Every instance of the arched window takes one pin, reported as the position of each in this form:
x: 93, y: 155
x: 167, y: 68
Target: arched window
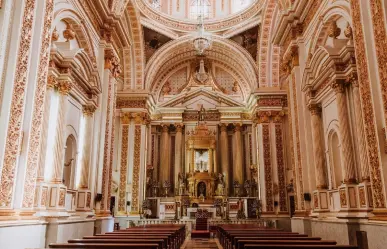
x: 200, y: 8
x: 238, y: 5
x: 336, y: 169
x: 69, y: 163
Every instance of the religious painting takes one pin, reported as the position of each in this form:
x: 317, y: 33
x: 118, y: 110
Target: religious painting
x: 153, y: 41
x: 249, y: 40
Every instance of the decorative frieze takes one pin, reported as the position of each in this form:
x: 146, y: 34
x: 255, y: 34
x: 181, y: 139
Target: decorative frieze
x: 14, y: 131
x: 127, y: 102
x: 367, y: 108
x: 123, y: 168
x: 267, y: 169
x: 38, y: 110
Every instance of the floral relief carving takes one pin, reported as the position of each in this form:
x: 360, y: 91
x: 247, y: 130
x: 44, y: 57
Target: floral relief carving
x: 123, y: 168
x: 343, y: 198
x: 112, y: 147
x: 280, y: 168
x: 136, y: 167
x: 367, y: 107
x: 267, y: 165
x: 14, y: 132
x: 38, y: 110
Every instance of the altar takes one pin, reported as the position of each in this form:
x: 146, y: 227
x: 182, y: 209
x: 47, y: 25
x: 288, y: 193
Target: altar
x: 191, y: 212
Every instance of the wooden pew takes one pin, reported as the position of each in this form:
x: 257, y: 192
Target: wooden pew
x: 264, y: 246
x: 160, y: 242
x: 241, y: 243
x: 104, y: 246
x: 235, y: 240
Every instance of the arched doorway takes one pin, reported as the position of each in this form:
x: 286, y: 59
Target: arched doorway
x: 336, y: 169
x: 69, y: 162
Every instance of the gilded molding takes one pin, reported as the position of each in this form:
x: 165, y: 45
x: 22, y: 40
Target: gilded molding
x: 367, y: 106
x: 38, y: 110
x: 281, y: 168
x: 14, y: 132
x: 136, y: 168
x: 268, y: 169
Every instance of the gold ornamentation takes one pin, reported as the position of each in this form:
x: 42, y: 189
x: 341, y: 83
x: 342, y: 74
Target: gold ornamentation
x: 64, y: 87
x: 348, y: 32
x: 280, y: 168
x: 38, y: 110
x: 123, y: 168
x: 69, y: 33
x: 126, y: 117
x: 55, y: 35
x: 343, y: 198
x: 14, y: 132
x: 105, y: 172
x: 112, y: 147
x: 123, y: 102
x: 333, y: 30
x: 62, y: 199
x: 267, y: 165
x: 299, y: 162
x: 367, y: 106
x: 88, y: 110
x: 136, y: 167
x: 362, y: 197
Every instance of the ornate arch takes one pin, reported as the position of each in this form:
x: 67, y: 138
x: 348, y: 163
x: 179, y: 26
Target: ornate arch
x: 336, y: 10
x: 82, y: 33
x: 138, y: 46
x: 223, y: 51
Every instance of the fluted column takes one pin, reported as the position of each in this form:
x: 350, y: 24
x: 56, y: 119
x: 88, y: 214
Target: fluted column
x: 224, y: 161
x: 365, y: 171
x: 165, y: 168
x: 84, y: 193
x: 344, y: 129
x: 238, y: 160
x: 64, y: 88
x: 318, y: 150
x: 88, y: 112
x: 178, y: 153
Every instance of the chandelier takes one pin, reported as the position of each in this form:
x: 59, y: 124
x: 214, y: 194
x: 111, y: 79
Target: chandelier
x: 202, y: 39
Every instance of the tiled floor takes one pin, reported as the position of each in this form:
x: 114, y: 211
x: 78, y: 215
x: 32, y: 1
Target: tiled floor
x: 200, y: 244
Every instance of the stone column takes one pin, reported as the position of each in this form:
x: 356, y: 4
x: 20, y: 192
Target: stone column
x: 178, y: 152
x: 318, y: 150
x: 224, y: 161
x: 344, y: 129
x: 84, y: 193
x: 57, y: 191
x: 165, y: 168
x: 122, y: 197
x: 365, y: 171
x: 238, y: 160
x: 41, y: 185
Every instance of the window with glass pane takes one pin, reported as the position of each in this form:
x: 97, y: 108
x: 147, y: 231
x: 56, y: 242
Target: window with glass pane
x: 200, y: 8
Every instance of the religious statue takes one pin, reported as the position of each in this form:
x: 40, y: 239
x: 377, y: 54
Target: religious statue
x: 220, y: 187
x: 241, y: 211
x: 182, y: 180
x: 202, y: 113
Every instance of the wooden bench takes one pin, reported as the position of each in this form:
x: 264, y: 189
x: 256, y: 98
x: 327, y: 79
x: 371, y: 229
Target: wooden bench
x: 240, y: 244
x: 264, y: 246
x: 104, y: 246
x: 160, y: 242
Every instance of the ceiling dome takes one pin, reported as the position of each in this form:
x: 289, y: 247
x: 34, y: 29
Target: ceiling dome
x: 190, y: 10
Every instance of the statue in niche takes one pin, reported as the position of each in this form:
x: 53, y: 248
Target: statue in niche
x: 201, y: 75
x: 202, y: 113
x: 182, y: 181
x: 220, y: 187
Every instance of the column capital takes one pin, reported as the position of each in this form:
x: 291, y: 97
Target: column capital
x: 112, y: 62
x: 238, y: 127
x: 140, y: 118
x: 352, y: 79
x: 315, y: 109
x: 52, y: 81
x: 88, y: 110
x: 126, y: 117
x: 179, y: 127
x: 64, y: 87
x: 223, y: 127
x: 165, y: 127
x: 338, y: 85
